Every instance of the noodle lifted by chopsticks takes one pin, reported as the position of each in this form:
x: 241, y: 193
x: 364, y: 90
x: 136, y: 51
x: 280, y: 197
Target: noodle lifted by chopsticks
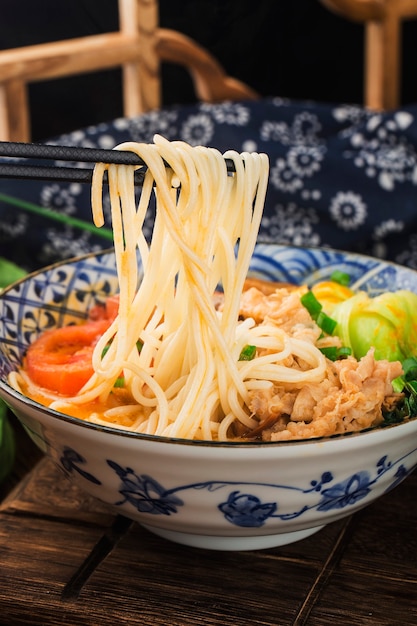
x: 186, y: 381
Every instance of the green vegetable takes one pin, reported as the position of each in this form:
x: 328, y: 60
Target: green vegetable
x: 120, y: 381
x: 334, y: 353
x: 387, y: 322
x: 326, y: 323
x: 406, y: 384
x: 410, y: 376
x: 9, y: 273
x: 340, y: 277
x: 313, y: 306
x: 329, y: 293
x: 56, y: 216
x: 248, y: 353
x: 310, y: 302
x: 410, y: 368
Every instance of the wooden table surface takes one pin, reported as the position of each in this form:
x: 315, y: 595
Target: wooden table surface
x: 66, y: 559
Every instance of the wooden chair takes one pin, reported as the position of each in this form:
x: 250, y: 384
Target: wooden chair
x: 383, y: 44
x: 138, y: 47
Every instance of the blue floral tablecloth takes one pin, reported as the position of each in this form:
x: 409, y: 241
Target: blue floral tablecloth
x: 340, y: 176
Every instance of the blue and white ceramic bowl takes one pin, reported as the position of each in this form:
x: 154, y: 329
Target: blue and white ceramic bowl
x: 226, y: 496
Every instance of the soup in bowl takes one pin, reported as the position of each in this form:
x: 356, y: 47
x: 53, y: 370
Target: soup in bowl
x: 240, y: 494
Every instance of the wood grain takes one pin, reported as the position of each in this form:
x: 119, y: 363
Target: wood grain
x: 138, y: 47
x: 383, y: 20
x: 67, y: 559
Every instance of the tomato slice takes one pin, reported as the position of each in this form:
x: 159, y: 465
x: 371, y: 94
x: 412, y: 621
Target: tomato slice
x: 61, y: 359
x: 107, y: 311
x: 112, y: 307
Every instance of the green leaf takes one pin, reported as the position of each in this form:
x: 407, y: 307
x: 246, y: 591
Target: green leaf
x: 106, y: 233
x: 9, y: 273
x: 410, y: 368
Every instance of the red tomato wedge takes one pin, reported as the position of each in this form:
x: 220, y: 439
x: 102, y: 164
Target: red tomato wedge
x: 107, y: 311
x: 60, y: 360
x: 112, y: 307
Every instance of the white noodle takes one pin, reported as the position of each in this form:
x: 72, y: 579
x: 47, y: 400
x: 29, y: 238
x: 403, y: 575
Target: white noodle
x: 187, y: 379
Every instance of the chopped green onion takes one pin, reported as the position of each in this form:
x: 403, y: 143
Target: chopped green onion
x: 310, y: 302
x: 313, y: 306
x: 326, y: 323
x: 139, y: 346
x: 330, y: 352
x: 119, y: 382
x: 333, y: 353
x: 248, y: 353
x: 340, y: 277
x: 344, y: 351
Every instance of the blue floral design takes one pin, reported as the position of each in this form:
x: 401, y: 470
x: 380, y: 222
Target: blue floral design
x: 346, y: 493
x: 70, y: 460
x: 246, y: 510
x: 316, y: 485
x: 401, y: 473
x: 145, y: 493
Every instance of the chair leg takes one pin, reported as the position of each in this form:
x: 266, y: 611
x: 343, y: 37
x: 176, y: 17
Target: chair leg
x: 383, y: 64
x: 140, y: 19
x: 14, y: 111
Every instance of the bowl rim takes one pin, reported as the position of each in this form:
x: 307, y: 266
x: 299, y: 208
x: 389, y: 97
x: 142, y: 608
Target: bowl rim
x: 120, y: 432
x: 259, y: 242
x: 51, y: 413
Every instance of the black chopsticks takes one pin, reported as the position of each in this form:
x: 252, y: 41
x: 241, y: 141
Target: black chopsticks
x: 56, y: 171
x: 67, y: 153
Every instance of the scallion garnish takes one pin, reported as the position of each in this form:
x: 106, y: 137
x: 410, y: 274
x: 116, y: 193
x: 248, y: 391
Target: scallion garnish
x: 344, y: 351
x: 313, y: 306
x: 248, y: 353
x: 326, y: 323
x: 340, y: 277
x: 333, y: 353
x: 310, y: 302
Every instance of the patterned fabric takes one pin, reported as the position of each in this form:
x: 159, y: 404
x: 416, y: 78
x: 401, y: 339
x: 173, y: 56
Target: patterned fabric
x: 340, y: 177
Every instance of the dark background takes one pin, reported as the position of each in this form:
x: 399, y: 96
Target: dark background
x: 296, y: 49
